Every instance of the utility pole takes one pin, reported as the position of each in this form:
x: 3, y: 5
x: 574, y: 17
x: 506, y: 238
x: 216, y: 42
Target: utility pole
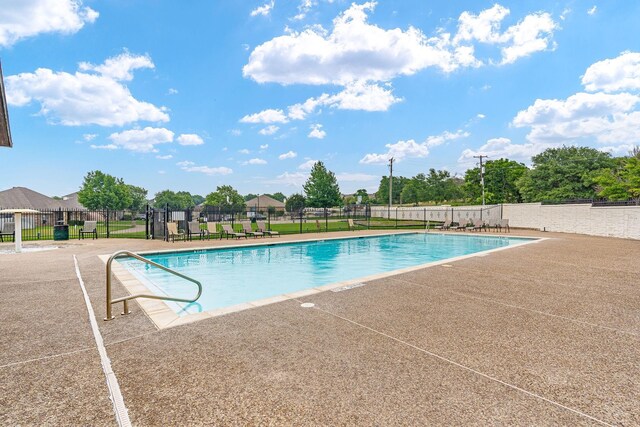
x: 390, y: 187
x: 481, y: 174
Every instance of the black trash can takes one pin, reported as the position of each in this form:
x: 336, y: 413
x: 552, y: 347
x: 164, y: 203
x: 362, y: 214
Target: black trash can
x: 60, y: 231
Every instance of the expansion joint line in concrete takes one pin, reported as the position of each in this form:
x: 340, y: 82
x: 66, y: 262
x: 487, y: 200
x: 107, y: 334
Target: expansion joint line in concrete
x: 467, y: 368
x: 51, y: 356
x: 517, y: 307
x: 120, y: 410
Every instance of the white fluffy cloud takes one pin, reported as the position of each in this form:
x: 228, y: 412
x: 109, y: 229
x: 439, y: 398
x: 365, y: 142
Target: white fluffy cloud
x: 592, y: 10
x: 612, y: 75
x: 288, y: 155
x: 532, y: 34
x: 165, y: 157
x: 608, y: 116
x: 255, y: 161
x: 20, y: 19
x: 398, y: 151
x: 141, y: 140
x: 362, y: 96
x: 264, y: 146
x: 119, y: 68
x: 483, y: 27
x: 356, y: 177
x: 359, y: 56
x: 412, y: 149
x: 307, y: 165
x: 263, y: 10
x: 304, y: 7
x: 189, y: 139
x: 295, y: 179
x: 104, y: 147
x: 266, y: 116
x: 269, y: 130
x: 317, y: 132
x: 188, y: 166
x: 95, y: 97
x: 357, y: 95
x: 497, y: 148
x: 355, y: 50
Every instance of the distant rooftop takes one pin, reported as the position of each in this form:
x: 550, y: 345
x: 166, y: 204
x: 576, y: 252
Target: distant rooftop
x: 25, y: 198
x: 265, y: 202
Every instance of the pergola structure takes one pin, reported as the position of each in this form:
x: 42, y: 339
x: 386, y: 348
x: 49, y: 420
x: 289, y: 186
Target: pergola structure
x: 5, y: 131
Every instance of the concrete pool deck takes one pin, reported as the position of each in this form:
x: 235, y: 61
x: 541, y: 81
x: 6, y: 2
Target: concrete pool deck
x: 544, y: 334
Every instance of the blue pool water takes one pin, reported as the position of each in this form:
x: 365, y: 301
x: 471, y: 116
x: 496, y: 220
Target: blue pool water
x: 236, y: 275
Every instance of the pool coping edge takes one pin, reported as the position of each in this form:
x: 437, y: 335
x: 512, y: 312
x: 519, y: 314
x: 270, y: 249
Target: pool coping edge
x: 163, y: 316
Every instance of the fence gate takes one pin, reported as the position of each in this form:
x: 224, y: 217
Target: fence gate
x: 157, y: 223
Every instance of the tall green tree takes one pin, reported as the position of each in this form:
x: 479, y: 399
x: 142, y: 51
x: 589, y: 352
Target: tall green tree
x: 413, y: 191
x: 249, y: 197
x: 563, y: 173
x: 382, y: 195
x: 500, y: 182
x: 225, y: 196
x: 441, y: 186
x: 178, y: 201
x: 138, y: 198
x: 621, y: 182
x: 197, y: 199
x: 295, y: 203
x: 278, y: 196
x: 321, y: 189
x: 103, y: 191
x: 186, y: 199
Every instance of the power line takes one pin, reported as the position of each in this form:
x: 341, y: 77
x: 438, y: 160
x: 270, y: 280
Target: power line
x: 390, y: 187
x: 481, y: 174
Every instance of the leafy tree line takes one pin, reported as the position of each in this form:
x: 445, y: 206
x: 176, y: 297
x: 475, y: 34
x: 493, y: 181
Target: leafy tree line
x: 556, y: 174
x: 103, y: 191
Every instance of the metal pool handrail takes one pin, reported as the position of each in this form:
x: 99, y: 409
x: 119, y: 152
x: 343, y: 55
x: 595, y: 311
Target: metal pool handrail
x: 126, y: 299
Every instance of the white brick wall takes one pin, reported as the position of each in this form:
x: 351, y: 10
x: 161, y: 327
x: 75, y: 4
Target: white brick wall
x: 612, y: 221
x: 439, y: 213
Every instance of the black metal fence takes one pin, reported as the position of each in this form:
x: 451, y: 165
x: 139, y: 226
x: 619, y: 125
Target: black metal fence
x: 423, y: 217
x: 109, y: 223
x: 152, y: 223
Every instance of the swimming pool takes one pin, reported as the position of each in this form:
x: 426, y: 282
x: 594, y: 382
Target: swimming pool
x: 231, y: 276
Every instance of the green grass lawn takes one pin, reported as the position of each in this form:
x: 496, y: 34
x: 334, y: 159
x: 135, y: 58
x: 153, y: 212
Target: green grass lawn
x: 118, y: 229
x: 45, y: 232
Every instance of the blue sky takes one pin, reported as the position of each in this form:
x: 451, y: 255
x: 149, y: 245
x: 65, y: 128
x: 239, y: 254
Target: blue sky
x: 192, y: 95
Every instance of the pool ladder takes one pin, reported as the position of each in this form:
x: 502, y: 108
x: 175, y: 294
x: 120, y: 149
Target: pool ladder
x: 125, y: 300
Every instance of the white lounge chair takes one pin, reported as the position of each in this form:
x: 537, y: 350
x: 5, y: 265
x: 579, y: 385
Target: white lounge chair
x: 212, y: 228
x: 228, y: 231
x: 262, y: 228
x: 194, y: 229
x: 173, y: 232
x: 246, y: 228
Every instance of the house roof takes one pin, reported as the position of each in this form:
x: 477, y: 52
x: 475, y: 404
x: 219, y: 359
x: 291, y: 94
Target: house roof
x: 71, y: 201
x: 25, y: 198
x: 265, y: 202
